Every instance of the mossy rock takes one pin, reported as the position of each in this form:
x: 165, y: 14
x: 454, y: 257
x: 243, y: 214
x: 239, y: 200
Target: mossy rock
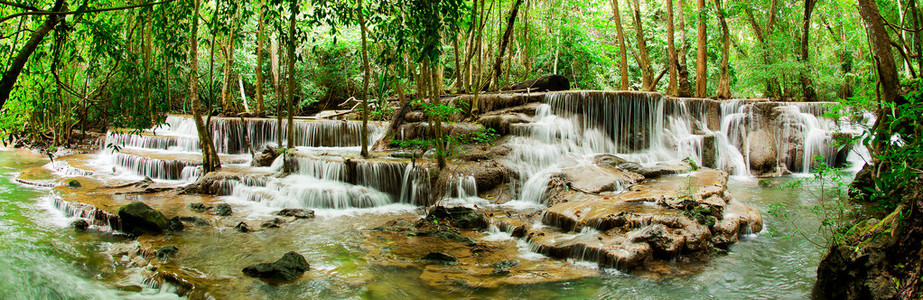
x: 139, y: 218
x: 73, y: 183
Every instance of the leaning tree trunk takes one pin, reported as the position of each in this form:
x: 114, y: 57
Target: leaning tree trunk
x: 644, y: 57
x: 504, y: 42
x: 365, y: 87
x: 18, y: 62
x: 701, y: 73
x: 210, y: 159
x: 623, y: 55
x: 724, y: 84
x: 807, y: 87
x: 291, y: 76
x: 881, y: 49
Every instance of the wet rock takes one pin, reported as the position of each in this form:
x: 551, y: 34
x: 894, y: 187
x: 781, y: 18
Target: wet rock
x: 609, y: 160
x: 440, y: 257
x: 139, y: 218
x: 447, y: 235
x: 175, y: 224
x: 242, y: 227
x: 762, y: 151
x: 166, y: 252
x: 297, y: 213
x: 223, y: 209
x: 662, y: 169
x: 503, y: 267
x: 194, y: 220
x: 709, y: 152
x: 274, y: 223
x: 199, y: 206
x: 287, y: 268
x: 74, y: 184
x: 266, y: 157
x: 765, y: 183
x: 460, y: 217
x: 502, y: 124
x: 80, y: 224
x: 488, y: 175
x: 551, y: 82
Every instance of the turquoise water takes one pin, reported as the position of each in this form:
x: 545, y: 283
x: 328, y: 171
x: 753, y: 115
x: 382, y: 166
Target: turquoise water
x: 40, y: 258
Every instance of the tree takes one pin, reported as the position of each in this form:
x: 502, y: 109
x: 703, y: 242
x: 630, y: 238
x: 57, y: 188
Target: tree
x: 672, y: 88
x: 210, y: 159
x: 504, y: 43
x: 623, y: 55
x: 807, y: 87
x: 644, y: 56
x: 365, y: 84
x: 724, y: 83
x: 701, y: 73
x: 260, y: 37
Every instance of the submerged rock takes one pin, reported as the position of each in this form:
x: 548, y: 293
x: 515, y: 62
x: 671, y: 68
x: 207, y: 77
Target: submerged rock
x: 194, y: 220
x: 460, y: 217
x: 80, y: 224
x: 199, y: 206
x: 166, y: 252
x: 289, y: 267
x: 73, y: 183
x: 242, y: 227
x: 440, y: 257
x: 274, y: 223
x: 223, y: 209
x: 139, y: 218
x: 297, y: 213
x: 175, y: 224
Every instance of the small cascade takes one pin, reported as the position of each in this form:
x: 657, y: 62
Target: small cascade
x: 91, y: 214
x: 384, y: 176
x: 462, y: 186
x: 157, y: 168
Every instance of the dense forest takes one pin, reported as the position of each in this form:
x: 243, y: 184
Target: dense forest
x: 699, y: 83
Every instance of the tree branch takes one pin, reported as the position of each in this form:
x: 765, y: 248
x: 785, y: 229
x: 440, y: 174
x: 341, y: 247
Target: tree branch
x: 63, y: 13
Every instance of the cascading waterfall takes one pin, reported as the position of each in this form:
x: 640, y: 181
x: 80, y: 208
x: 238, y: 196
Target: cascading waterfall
x: 157, y: 168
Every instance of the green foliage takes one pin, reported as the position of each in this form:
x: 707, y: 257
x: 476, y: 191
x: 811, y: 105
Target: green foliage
x: 829, y: 204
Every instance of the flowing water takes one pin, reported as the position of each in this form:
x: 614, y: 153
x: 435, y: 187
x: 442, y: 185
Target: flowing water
x: 40, y: 257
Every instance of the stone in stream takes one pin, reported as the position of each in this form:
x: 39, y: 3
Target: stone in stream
x: 709, y: 152
x: 503, y: 267
x: 194, y: 220
x: 297, y: 213
x: 166, y: 252
x: 460, y: 217
x: 176, y: 224
x: 139, y: 218
x: 274, y: 223
x: 287, y: 268
x: 73, y: 183
x: 440, y: 257
x: 762, y: 151
x: 80, y: 224
x: 199, y: 206
x: 242, y: 227
x: 266, y: 157
x: 223, y: 209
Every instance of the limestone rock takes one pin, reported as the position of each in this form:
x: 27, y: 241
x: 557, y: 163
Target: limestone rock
x: 460, y: 217
x: 594, y: 179
x: 223, y: 209
x: 440, y: 257
x: 166, y: 252
x: 80, y: 224
x: 762, y: 151
x: 297, y: 213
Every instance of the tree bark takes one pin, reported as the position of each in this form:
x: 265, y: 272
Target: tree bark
x: 19, y: 62
x: 623, y: 51
x: 672, y: 88
x: 504, y: 43
x: 644, y: 57
x: 881, y: 49
x: 701, y: 73
x: 210, y: 159
x: 291, y: 75
x: 807, y: 86
x: 724, y: 84
x: 260, y: 37
x: 365, y: 86
x: 683, y: 88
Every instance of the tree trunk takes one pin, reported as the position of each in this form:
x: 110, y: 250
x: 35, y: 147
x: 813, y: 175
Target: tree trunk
x: 210, y: 159
x: 683, y: 88
x: 644, y: 57
x: 260, y: 107
x: 396, y: 120
x: 623, y: 51
x: 917, y: 39
x: 18, y: 62
x: 807, y: 87
x: 226, y: 102
x: 701, y: 73
x: 434, y: 100
x: 291, y: 75
x: 504, y: 43
x: 881, y: 49
x: 672, y: 88
x: 724, y: 85
x: 365, y: 87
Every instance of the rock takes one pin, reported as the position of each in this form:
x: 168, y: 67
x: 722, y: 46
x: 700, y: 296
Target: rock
x: 709, y: 152
x: 166, y: 252
x: 274, y: 223
x: 73, y: 183
x: 297, y: 213
x: 765, y: 183
x: 223, y: 209
x: 80, y: 224
x: 440, y: 257
x: 266, y: 157
x: 594, y: 179
x: 549, y: 83
x: 460, y: 217
x: 864, y: 179
x: 287, y: 268
x: 447, y: 235
x: 194, y: 220
x: 138, y: 218
x: 609, y: 160
x: 488, y: 175
x: 502, y: 124
x: 662, y: 169
x: 199, y: 206
x: 175, y: 224
x: 503, y: 267
x: 762, y: 151
x: 242, y: 227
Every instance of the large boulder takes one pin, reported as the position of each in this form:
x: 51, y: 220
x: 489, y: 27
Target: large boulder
x: 551, y: 82
x: 762, y: 151
x: 289, y: 267
x: 460, y: 217
x: 595, y: 179
x: 139, y: 218
x: 266, y: 157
